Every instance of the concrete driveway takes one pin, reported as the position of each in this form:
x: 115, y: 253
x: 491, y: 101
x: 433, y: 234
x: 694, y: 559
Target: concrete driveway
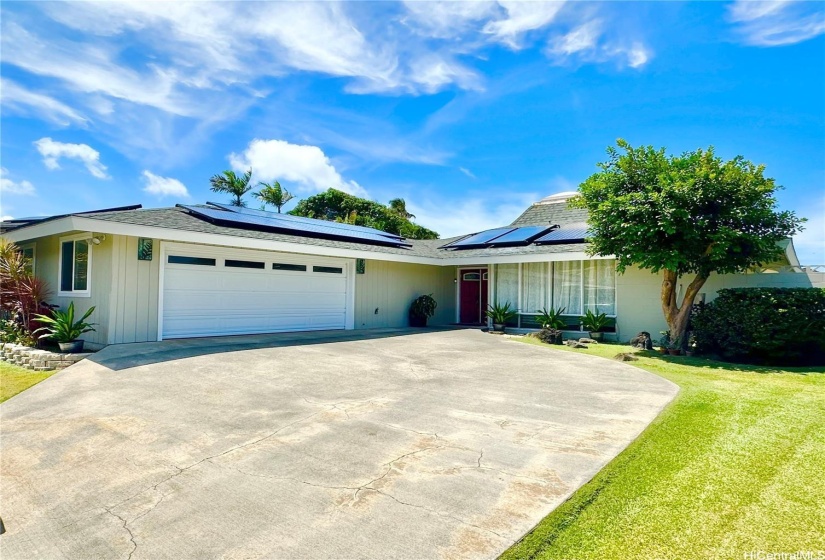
x: 393, y: 444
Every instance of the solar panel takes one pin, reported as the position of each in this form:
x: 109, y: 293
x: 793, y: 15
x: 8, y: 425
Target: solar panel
x: 480, y: 239
x: 318, y: 228
x: 302, y: 220
x: 564, y: 234
x: 523, y: 235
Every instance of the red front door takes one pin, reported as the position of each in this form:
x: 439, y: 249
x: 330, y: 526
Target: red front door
x: 473, y: 295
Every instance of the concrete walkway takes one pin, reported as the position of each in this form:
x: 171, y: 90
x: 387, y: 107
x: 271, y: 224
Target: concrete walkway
x: 389, y: 444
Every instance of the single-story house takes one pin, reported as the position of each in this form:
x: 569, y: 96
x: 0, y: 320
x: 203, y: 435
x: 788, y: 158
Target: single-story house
x: 206, y: 270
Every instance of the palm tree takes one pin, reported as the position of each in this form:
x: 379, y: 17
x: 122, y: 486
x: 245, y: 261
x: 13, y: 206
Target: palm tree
x: 231, y: 183
x: 273, y: 194
x: 399, y: 206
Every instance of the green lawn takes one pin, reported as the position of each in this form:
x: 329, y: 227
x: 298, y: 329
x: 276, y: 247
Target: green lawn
x: 736, y: 463
x: 15, y: 379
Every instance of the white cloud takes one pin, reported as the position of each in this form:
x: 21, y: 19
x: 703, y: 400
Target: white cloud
x: 585, y: 42
x: 305, y: 167
x: 777, y: 22
x: 14, y: 96
x: 8, y: 186
x: 521, y: 17
x: 445, y: 19
x: 163, y: 186
x: 467, y: 172
x: 53, y: 151
x: 471, y: 214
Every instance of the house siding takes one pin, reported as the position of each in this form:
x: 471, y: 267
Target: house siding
x: 637, y: 295
x: 390, y: 288
x: 134, y: 299
x: 47, y: 268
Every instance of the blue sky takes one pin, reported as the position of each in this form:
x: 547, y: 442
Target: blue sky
x: 470, y: 111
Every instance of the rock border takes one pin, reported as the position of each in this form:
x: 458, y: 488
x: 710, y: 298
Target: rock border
x: 36, y: 359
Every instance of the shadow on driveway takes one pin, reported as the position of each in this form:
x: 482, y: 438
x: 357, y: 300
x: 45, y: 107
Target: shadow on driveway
x: 124, y: 356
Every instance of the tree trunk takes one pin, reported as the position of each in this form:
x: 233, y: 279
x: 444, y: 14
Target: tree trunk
x: 677, y: 317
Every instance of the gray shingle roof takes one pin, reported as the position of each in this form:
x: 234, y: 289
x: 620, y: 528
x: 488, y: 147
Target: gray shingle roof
x: 179, y: 219
x: 556, y: 213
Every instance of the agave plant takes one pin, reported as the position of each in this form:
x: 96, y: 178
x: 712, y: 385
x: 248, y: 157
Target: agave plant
x: 61, y: 326
x: 551, y: 319
x: 500, y: 314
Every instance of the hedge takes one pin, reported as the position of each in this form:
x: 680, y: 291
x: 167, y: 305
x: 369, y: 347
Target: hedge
x: 771, y: 326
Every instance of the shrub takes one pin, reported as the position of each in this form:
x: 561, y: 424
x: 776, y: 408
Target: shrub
x: 773, y: 326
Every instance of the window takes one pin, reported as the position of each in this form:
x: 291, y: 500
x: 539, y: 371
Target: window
x: 600, y: 286
x: 74, y: 267
x: 28, y: 252
x: 567, y: 286
x: 506, y: 280
x: 328, y: 269
x: 533, y: 284
x: 244, y: 264
x: 287, y: 266
x: 201, y: 261
x: 472, y: 276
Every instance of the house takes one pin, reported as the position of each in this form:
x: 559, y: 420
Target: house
x: 204, y: 270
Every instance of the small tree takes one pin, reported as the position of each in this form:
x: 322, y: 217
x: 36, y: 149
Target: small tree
x: 231, y: 183
x: 692, y: 214
x: 273, y: 194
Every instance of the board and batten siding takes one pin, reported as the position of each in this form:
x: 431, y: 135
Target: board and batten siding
x: 124, y: 290
x: 134, y: 297
x: 390, y: 288
x: 47, y: 268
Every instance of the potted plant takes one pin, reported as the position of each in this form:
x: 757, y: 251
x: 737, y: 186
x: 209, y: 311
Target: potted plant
x: 500, y: 314
x: 674, y: 348
x: 552, y: 322
x: 664, y: 341
x: 63, y: 329
x: 691, y: 347
x: 594, y: 323
x: 422, y: 308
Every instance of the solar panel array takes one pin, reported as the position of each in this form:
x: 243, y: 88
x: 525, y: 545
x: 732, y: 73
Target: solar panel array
x: 501, y: 237
x: 522, y: 235
x: 564, y: 234
x: 245, y: 218
x: 301, y: 219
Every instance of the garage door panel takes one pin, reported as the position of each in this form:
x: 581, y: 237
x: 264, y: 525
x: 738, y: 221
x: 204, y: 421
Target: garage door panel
x: 215, y: 300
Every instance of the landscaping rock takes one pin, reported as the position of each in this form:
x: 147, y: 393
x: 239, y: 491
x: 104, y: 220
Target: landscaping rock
x: 642, y: 340
x: 626, y: 357
x: 575, y: 344
x: 588, y: 341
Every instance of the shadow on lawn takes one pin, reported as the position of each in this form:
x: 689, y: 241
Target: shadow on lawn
x: 711, y: 363
x: 123, y: 356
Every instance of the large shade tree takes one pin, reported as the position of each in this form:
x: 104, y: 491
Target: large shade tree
x: 233, y: 184
x: 335, y: 205
x: 683, y: 216
x: 273, y: 194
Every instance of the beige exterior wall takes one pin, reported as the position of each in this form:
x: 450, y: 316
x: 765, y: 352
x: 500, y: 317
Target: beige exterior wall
x: 134, y: 297
x: 390, y: 288
x: 637, y: 295
x: 124, y: 291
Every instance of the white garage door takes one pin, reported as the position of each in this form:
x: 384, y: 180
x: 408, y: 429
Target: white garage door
x: 215, y: 291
